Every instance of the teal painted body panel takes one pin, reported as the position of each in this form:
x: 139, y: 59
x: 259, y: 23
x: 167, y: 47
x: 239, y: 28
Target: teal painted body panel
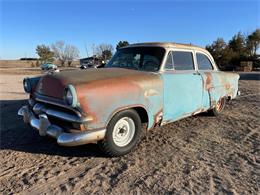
x: 183, y: 94
x: 188, y: 93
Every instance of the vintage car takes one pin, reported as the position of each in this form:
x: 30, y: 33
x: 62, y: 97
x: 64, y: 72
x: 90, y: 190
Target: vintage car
x: 145, y: 83
x: 49, y: 66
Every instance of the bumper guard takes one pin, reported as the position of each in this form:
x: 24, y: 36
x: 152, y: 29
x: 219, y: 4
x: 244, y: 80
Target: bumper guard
x: 44, y: 128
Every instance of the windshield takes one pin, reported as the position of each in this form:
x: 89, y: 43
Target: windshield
x: 138, y: 58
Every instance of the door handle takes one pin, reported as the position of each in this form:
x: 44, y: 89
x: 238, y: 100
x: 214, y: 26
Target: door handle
x: 196, y: 73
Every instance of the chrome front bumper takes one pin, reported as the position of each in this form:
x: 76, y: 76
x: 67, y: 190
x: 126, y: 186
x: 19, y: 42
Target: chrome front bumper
x: 44, y: 128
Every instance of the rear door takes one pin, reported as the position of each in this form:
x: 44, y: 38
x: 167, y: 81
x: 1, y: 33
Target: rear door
x: 183, y: 86
x: 212, y: 85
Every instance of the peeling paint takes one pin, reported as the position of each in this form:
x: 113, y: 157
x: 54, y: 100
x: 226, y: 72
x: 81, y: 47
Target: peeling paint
x: 166, y: 96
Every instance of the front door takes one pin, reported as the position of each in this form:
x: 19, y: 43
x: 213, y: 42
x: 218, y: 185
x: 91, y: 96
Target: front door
x: 183, y: 86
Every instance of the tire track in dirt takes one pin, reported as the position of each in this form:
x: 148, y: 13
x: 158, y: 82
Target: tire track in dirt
x: 52, y: 183
x: 197, y: 155
x: 154, y: 175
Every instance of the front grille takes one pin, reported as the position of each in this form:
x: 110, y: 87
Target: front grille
x: 66, y: 118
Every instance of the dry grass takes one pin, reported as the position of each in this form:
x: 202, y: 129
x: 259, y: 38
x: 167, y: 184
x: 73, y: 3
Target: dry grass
x: 15, y: 63
x: 26, y: 63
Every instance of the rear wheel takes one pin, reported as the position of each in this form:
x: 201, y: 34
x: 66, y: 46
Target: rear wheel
x: 123, y: 133
x: 219, y: 107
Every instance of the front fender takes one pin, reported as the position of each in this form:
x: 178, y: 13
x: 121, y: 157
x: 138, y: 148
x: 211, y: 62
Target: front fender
x: 101, y: 99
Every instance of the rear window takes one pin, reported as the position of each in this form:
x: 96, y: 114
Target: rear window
x: 169, y: 62
x: 182, y: 60
x: 203, y: 62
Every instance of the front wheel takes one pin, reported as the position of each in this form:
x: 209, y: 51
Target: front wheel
x: 123, y: 133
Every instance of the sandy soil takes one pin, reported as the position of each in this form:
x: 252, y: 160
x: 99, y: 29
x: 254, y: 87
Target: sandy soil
x: 199, y: 154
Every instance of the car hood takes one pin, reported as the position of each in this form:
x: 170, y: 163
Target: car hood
x: 53, y: 85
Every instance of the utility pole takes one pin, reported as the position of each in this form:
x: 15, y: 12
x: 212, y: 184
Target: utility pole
x: 93, y: 49
x: 86, y: 48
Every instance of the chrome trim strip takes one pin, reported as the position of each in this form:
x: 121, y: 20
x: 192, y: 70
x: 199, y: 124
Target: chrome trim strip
x: 63, y: 116
x: 40, y: 108
x: 37, y: 98
x: 70, y: 139
x: 44, y: 127
x: 35, y: 123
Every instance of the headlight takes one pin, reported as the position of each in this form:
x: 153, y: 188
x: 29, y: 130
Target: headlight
x: 71, y: 96
x: 30, y: 83
x: 27, y: 85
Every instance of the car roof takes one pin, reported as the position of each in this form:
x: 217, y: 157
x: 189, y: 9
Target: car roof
x: 166, y: 45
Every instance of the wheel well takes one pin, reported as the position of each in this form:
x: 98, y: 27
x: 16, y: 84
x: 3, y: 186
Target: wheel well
x: 142, y: 114
x: 229, y: 97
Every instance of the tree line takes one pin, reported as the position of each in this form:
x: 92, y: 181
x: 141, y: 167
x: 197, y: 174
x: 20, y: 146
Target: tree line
x: 229, y: 55
x: 65, y: 54
x: 59, y: 51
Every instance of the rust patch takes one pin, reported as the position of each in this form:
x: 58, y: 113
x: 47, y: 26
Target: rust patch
x: 50, y: 86
x: 113, y: 90
x: 96, y: 97
x: 208, y: 83
x: 157, y: 117
x: 86, y: 110
x: 227, y: 86
x: 213, y: 103
x: 197, y: 111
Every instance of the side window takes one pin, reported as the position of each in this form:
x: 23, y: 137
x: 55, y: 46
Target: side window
x: 182, y: 60
x: 203, y: 62
x: 169, y: 62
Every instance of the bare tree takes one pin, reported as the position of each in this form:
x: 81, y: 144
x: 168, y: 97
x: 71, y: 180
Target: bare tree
x: 64, y: 52
x: 104, y: 51
x: 71, y: 52
x: 58, y: 49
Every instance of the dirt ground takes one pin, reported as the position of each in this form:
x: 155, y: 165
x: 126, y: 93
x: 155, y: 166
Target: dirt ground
x: 200, y: 154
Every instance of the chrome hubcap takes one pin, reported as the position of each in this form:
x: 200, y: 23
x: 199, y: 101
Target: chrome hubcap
x: 123, y: 131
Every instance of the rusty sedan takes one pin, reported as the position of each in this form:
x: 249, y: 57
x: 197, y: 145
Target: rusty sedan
x: 144, y: 83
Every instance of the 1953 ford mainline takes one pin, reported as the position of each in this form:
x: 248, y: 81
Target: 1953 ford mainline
x: 151, y: 83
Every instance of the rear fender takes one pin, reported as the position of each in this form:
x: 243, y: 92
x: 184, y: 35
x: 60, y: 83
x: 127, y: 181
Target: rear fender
x: 220, y: 84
